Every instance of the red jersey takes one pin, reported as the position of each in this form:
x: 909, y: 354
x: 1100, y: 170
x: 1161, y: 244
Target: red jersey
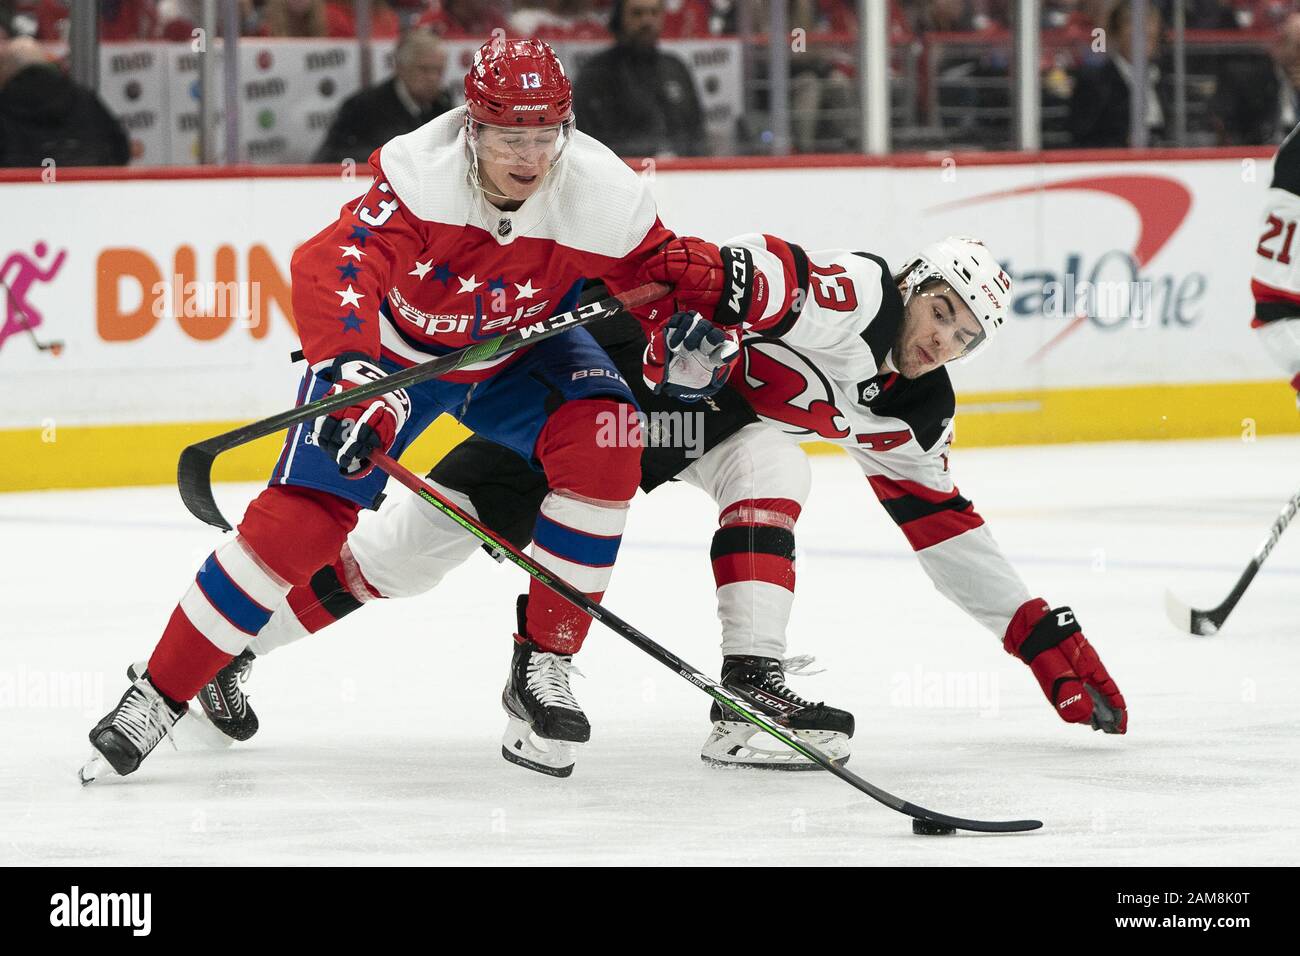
x: 422, y: 264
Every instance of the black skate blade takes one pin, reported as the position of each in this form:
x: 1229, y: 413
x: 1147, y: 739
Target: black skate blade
x: 533, y: 765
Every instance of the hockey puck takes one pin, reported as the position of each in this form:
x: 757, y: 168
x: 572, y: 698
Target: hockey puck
x: 927, y: 828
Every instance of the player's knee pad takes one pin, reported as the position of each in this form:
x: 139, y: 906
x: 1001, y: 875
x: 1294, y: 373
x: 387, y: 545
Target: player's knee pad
x: 756, y: 463
x: 294, y: 530
x: 407, y: 547
x: 592, y: 448
x: 1281, y: 339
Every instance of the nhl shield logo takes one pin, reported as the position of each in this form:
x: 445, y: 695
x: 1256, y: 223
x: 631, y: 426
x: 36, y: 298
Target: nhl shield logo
x: 504, y: 226
x: 869, y: 392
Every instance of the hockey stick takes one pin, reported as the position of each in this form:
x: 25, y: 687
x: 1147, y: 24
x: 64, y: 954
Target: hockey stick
x: 194, y: 471
x: 670, y: 660
x: 1207, y: 623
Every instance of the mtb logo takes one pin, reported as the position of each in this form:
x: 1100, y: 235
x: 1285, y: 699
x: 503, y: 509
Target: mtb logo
x: 19, y: 273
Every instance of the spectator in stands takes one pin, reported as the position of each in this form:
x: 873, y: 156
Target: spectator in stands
x: 410, y: 98
x: 295, y: 18
x: 634, y: 97
x: 460, y: 19
x: 1208, y: 14
x: 952, y: 16
x: 698, y: 18
x: 1100, y: 101
x: 556, y: 20
x: 47, y: 20
x: 1257, y: 97
x: 341, y: 20
x: 44, y: 115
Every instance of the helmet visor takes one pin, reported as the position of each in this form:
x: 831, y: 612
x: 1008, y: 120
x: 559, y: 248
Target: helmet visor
x: 538, y: 147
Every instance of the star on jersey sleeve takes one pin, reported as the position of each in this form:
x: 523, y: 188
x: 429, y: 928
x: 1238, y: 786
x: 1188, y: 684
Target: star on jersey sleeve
x: 343, y: 273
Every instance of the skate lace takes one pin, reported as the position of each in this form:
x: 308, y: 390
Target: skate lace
x: 774, y: 681
x: 548, y: 680
x: 145, y: 719
x: 799, y: 664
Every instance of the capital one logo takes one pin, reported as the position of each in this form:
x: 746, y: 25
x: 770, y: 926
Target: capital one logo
x: 1114, y: 289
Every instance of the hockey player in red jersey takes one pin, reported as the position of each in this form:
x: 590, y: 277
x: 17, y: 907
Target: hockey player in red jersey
x: 839, y: 348
x: 487, y: 217
x: 1275, y: 280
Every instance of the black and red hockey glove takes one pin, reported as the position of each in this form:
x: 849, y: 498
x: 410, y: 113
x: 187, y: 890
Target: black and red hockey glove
x: 689, y: 358
x: 350, y: 434
x: 1072, y: 676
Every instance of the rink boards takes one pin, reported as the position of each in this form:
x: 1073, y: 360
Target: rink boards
x: 171, y: 295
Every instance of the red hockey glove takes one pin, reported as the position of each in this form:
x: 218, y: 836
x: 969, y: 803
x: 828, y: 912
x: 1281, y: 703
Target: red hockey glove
x: 689, y: 358
x: 1069, y: 671
x: 692, y: 267
x: 349, y: 434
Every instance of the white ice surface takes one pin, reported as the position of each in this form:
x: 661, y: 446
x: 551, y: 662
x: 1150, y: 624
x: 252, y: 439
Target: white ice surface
x: 380, y: 738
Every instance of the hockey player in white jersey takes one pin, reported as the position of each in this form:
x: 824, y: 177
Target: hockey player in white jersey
x: 836, y: 347
x: 842, y: 349
x: 1275, y: 279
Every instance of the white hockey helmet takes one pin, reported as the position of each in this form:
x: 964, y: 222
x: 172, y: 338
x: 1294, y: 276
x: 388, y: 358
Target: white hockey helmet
x: 972, y: 272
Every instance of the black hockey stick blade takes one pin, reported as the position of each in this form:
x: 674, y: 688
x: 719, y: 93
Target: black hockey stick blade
x: 194, y: 470
x: 1208, y: 622
x: 721, y: 694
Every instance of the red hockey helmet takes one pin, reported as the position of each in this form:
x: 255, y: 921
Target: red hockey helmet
x: 518, y: 83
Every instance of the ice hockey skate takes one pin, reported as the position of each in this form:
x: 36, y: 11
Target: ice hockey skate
x: 761, y: 682
x: 196, y: 731
x: 546, y: 724
x: 130, y: 731
x: 224, y: 702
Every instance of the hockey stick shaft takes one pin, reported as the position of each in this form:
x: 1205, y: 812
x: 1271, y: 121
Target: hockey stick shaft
x: 719, y: 693
x: 194, y: 470
x: 1217, y: 616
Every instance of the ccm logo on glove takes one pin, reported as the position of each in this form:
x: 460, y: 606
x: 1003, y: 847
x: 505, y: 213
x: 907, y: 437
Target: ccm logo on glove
x: 1071, y: 675
x: 350, y: 434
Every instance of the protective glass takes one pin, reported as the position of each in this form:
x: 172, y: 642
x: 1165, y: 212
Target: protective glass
x: 532, y: 146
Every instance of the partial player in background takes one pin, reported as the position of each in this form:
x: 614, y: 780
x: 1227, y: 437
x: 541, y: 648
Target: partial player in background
x: 1275, y: 281
x: 837, y: 348
x: 486, y: 218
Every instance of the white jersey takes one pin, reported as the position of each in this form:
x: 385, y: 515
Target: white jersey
x: 1275, y: 278
x: 816, y: 366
